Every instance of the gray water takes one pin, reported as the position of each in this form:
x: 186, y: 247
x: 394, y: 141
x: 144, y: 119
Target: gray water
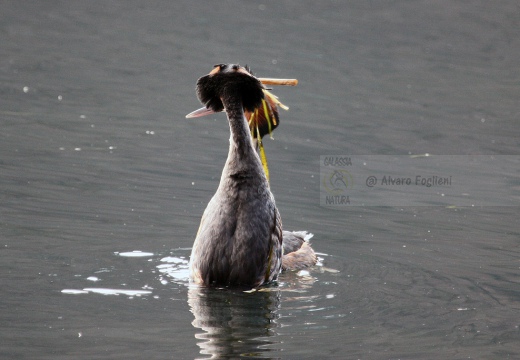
x: 98, y: 161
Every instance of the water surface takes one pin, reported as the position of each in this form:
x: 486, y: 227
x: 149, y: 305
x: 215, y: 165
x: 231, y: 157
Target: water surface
x: 97, y: 161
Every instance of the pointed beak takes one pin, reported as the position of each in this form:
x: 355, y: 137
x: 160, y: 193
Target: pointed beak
x: 199, y: 113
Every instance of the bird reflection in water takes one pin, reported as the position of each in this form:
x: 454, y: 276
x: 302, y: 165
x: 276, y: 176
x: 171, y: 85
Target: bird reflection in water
x: 235, y: 323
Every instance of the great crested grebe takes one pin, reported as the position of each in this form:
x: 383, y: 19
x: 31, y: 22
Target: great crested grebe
x: 240, y: 240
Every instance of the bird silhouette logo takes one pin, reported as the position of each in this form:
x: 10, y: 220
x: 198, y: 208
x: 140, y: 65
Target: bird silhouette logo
x: 338, y: 181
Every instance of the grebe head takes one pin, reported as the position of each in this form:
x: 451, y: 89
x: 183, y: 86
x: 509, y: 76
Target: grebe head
x: 228, y: 83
